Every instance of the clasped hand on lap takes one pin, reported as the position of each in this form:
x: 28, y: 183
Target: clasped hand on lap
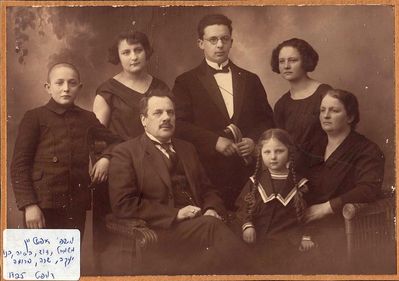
x: 189, y: 212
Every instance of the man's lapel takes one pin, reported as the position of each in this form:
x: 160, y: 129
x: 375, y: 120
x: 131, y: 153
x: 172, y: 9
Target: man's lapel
x: 209, y: 82
x: 154, y: 157
x: 238, y: 90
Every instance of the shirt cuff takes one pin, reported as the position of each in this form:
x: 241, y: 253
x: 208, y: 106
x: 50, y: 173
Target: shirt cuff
x: 336, y: 205
x: 247, y: 225
x: 108, y: 156
x: 209, y: 208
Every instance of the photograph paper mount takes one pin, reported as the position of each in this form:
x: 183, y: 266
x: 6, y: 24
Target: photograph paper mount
x: 355, y: 42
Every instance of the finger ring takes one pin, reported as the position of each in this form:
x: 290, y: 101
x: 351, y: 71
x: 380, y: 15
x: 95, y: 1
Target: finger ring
x: 193, y: 211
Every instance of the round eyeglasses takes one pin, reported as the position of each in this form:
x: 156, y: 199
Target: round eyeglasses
x: 214, y: 40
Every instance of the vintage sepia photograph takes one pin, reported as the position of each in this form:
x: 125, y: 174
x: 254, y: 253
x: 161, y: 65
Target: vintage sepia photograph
x: 198, y: 139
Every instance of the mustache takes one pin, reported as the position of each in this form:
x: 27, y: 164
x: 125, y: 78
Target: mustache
x: 167, y: 125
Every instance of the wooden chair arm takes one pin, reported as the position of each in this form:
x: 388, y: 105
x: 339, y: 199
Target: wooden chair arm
x: 135, y: 229
x: 356, y: 210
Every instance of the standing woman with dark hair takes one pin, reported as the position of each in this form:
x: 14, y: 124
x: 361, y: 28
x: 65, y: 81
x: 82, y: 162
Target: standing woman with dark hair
x: 297, y: 111
x: 116, y: 104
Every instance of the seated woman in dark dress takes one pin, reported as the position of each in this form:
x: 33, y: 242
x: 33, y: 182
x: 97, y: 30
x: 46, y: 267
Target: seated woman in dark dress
x: 345, y: 167
x: 297, y: 111
x: 116, y: 104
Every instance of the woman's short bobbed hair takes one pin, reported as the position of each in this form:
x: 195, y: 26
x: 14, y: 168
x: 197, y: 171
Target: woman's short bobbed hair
x: 350, y: 103
x: 132, y: 37
x: 309, y: 56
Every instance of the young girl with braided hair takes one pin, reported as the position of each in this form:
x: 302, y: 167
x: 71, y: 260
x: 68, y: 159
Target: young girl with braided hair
x: 272, y: 203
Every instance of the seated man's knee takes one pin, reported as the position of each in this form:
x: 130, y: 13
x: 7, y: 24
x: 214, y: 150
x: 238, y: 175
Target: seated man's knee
x: 211, y: 222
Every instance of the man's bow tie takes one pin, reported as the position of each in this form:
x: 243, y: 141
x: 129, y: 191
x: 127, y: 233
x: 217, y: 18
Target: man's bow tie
x: 225, y: 69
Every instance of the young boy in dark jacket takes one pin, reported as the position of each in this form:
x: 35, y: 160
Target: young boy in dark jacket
x: 50, y: 166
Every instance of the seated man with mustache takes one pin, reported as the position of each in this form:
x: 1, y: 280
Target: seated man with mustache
x: 159, y: 179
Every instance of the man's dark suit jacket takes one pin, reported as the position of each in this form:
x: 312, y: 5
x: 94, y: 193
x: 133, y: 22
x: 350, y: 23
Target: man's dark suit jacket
x: 202, y: 117
x: 140, y: 184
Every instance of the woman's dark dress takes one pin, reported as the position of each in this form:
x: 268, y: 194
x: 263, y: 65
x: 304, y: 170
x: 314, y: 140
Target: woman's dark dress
x: 300, y: 118
x: 352, y: 174
x: 124, y: 103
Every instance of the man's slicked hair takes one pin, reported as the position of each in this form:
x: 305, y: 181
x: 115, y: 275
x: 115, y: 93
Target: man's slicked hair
x: 212, y: 20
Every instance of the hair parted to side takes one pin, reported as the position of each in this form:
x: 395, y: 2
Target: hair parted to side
x: 350, y: 103
x: 309, y: 56
x: 132, y: 37
x: 212, y: 20
x: 143, y: 104
x: 285, y: 139
x: 62, y: 64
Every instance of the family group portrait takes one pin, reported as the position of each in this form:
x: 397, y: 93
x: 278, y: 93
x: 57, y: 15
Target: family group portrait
x: 205, y: 140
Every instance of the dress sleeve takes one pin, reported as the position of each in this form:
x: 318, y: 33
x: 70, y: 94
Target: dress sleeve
x: 22, y: 161
x: 101, y: 91
x: 368, y: 174
x: 241, y: 213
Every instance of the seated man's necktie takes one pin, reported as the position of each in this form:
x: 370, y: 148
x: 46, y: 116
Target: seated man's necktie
x: 172, y: 155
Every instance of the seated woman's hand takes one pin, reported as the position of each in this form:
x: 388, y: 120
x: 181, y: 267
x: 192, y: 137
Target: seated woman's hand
x: 249, y: 235
x: 318, y: 211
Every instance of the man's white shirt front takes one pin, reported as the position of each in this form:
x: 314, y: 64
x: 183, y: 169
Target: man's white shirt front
x: 225, y: 84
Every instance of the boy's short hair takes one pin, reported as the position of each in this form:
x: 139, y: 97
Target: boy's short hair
x: 212, y: 20
x: 62, y: 64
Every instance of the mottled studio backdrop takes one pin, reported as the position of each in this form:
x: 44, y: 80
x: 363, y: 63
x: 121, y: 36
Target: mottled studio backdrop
x: 355, y: 44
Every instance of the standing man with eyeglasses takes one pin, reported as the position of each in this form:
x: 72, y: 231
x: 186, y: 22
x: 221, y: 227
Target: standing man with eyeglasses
x: 222, y: 109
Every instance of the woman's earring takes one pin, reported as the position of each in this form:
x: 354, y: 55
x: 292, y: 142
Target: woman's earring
x: 287, y: 165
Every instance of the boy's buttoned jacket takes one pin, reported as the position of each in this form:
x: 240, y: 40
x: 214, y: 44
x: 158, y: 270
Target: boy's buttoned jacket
x: 51, y: 156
